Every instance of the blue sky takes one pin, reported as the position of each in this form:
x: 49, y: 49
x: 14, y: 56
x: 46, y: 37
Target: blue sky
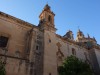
x: 69, y: 14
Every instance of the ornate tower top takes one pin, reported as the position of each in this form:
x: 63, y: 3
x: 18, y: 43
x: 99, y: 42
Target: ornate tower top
x: 80, y: 34
x: 81, y: 38
x: 47, y: 7
x: 69, y: 35
x: 47, y: 17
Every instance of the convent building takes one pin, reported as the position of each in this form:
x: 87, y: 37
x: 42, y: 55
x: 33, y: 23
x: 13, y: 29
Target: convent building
x: 27, y: 49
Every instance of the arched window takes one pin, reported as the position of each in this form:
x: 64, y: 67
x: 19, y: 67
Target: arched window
x: 49, y: 18
x: 73, y: 51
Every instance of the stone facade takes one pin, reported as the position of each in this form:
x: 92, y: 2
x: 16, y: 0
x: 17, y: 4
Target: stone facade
x: 26, y: 49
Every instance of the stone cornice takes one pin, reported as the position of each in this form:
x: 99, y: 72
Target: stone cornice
x: 8, y: 56
x: 46, y: 26
x: 16, y: 19
x: 75, y: 43
x: 47, y: 11
x: 87, y: 39
x: 97, y: 47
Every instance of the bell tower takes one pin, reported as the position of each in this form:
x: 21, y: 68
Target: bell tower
x: 47, y: 17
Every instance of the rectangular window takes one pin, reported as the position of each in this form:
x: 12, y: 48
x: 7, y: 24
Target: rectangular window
x: 37, y: 47
x: 3, y: 41
x: 49, y: 40
x: 49, y: 73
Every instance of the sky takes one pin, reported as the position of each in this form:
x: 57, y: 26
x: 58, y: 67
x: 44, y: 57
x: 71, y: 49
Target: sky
x: 69, y: 14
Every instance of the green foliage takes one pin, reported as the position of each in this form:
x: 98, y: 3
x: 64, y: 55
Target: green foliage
x: 2, y: 69
x: 74, y: 66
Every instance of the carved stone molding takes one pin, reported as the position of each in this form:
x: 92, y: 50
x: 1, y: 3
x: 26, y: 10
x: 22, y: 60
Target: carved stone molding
x: 16, y: 19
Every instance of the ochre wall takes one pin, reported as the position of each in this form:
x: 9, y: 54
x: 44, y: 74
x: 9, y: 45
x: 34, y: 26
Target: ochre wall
x: 17, y: 33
